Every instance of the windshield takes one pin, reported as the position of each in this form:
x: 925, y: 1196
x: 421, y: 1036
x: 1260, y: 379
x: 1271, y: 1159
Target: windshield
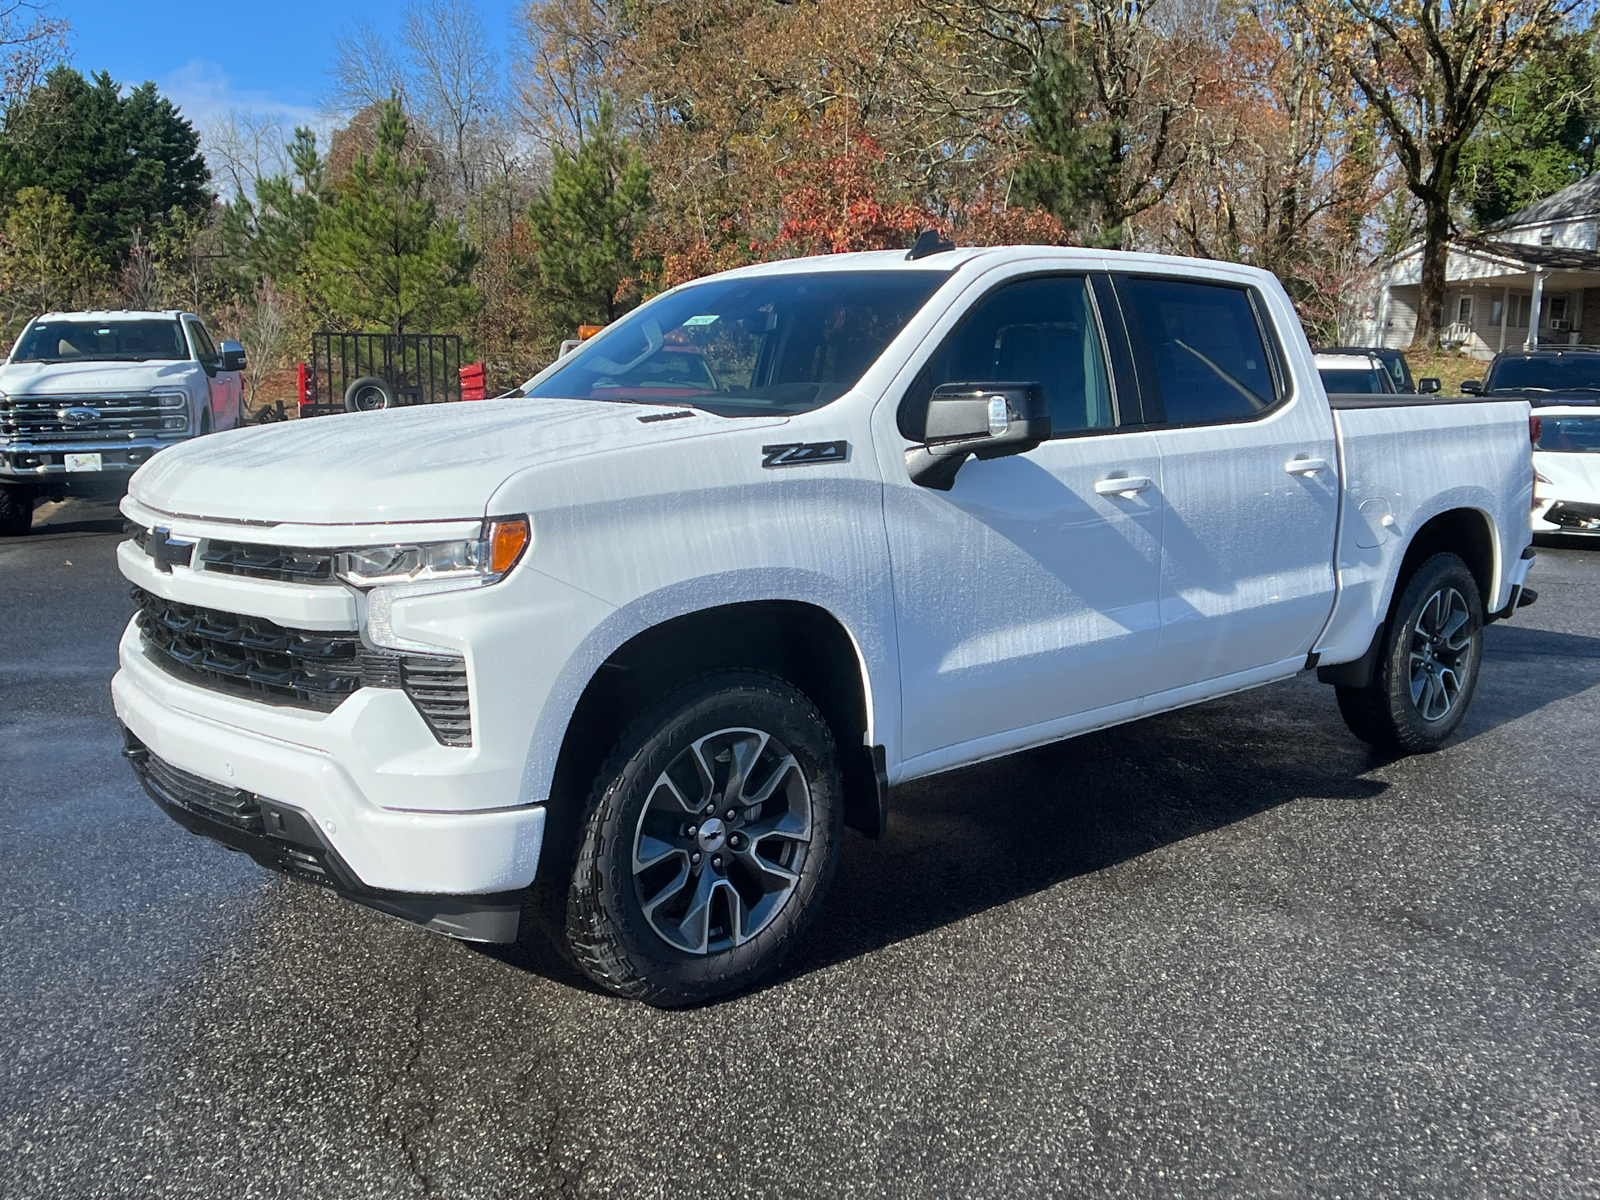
x: 1351, y: 381
x: 101, y: 341
x: 1569, y: 435
x: 1556, y: 373
x: 775, y: 344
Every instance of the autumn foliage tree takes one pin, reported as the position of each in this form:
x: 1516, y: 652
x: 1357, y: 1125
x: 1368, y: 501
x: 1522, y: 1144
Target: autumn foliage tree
x: 1428, y: 69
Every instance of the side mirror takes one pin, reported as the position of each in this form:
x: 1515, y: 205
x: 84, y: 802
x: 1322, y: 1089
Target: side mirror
x: 1428, y: 386
x: 233, y: 357
x: 1472, y: 387
x: 989, y: 420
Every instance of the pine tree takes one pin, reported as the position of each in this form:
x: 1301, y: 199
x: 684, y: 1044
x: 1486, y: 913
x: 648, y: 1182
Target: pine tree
x: 586, y: 225
x: 122, y: 163
x: 380, y: 257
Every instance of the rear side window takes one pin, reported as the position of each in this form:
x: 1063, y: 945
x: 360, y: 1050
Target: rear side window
x: 1202, y: 344
x: 1033, y: 331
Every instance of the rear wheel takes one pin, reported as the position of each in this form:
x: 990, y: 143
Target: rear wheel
x: 16, y: 511
x: 1424, y: 682
x: 708, y: 842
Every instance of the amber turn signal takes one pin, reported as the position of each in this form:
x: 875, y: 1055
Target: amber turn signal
x: 508, y: 538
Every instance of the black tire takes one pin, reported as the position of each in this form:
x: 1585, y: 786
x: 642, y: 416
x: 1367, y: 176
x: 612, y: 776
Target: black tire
x: 205, y: 422
x: 16, y: 511
x: 368, y: 394
x: 1425, y: 678
x: 635, y: 932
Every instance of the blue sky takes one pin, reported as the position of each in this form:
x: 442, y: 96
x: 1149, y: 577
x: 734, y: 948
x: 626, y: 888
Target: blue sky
x: 269, y: 57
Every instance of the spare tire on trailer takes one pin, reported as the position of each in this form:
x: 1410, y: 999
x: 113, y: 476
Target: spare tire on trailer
x: 368, y: 394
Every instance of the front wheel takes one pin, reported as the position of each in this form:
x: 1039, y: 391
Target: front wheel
x: 16, y: 511
x: 1422, y: 686
x: 707, y: 845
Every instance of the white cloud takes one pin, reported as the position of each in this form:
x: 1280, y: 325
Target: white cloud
x: 204, y: 91
x: 241, y: 130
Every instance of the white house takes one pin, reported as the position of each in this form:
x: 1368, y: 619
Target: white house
x: 1530, y: 279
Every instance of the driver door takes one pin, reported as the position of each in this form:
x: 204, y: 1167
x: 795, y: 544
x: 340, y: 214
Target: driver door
x: 1027, y: 594
x: 223, y: 385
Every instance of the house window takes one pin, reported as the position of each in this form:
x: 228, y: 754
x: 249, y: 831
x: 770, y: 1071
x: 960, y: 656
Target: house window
x: 1557, y: 308
x: 1521, y: 305
x: 1497, y: 311
x: 1464, y: 311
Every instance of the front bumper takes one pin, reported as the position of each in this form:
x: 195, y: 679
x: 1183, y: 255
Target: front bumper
x: 45, y: 465
x: 287, y: 839
x: 1566, y: 516
x: 390, y: 849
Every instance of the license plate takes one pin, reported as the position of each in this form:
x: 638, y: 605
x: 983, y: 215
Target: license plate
x: 83, y: 462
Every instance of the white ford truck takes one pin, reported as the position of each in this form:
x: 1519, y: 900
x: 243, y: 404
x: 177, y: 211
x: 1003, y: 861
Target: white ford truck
x: 87, y: 397
x: 621, y: 656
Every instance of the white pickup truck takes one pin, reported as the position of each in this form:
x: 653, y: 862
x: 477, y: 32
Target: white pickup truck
x: 623, y: 655
x: 87, y: 397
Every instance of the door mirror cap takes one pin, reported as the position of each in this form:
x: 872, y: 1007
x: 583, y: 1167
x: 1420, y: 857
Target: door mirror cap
x: 233, y: 358
x: 1428, y: 385
x: 1472, y: 387
x: 989, y: 420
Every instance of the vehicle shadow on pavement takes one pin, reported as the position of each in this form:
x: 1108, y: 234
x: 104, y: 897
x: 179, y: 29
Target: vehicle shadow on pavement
x: 971, y: 840
x: 966, y: 841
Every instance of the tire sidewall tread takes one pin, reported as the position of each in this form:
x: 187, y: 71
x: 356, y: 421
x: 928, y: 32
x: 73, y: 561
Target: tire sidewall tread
x: 601, y: 930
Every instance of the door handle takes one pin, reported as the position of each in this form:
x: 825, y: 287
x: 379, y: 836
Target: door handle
x: 1125, y: 485
x: 1305, y: 466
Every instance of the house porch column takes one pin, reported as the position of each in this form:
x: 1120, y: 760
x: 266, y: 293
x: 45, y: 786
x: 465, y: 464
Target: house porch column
x: 1533, y: 312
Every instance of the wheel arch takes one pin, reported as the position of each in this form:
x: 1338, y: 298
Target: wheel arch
x: 1465, y: 531
x: 797, y: 640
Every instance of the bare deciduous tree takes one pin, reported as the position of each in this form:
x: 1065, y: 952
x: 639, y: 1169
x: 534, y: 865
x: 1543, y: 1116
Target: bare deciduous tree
x: 32, y: 39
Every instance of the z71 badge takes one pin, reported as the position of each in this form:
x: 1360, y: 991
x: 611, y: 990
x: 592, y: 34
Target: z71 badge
x: 805, y: 454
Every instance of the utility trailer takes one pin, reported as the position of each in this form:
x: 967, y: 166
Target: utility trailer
x: 365, y: 372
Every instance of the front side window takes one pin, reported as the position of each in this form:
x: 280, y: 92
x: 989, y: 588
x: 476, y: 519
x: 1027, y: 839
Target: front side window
x: 204, y: 349
x: 1033, y: 331
x: 1203, y: 344
x: 767, y: 345
x: 101, y: 341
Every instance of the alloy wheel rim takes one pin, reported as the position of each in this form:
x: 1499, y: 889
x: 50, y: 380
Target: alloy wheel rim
x: 1441, y: 653
x: 370, y: 399
x: 721, y: 841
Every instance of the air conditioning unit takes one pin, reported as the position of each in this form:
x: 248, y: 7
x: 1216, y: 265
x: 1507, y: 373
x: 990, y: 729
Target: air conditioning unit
x: 1558, y: 324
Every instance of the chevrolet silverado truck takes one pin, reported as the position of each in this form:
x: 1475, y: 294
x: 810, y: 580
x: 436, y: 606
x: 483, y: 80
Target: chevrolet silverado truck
x: 621, y: 658
x: 86, y: 398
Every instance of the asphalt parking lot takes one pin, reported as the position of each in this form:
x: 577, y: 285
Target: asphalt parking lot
x: 1222, y: 952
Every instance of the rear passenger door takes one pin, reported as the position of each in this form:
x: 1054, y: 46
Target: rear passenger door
x: 1249, y: 475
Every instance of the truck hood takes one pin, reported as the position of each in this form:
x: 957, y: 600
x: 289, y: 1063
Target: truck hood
x: 436, y: 462
x: 76, y: 379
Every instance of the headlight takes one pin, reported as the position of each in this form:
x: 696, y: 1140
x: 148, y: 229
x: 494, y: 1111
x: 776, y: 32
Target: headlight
x: 484, y: 559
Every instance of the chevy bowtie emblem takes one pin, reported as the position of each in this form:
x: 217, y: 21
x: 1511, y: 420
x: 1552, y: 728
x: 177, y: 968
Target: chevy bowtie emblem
x: 168, y: 551
x: 77, y: 416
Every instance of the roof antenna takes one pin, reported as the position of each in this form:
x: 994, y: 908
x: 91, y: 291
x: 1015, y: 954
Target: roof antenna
x: 928, y: 242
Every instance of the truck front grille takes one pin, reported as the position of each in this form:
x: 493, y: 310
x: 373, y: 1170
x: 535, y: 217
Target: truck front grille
x: 64, y: 420
x: 259, y: 660
x: 287, y: 564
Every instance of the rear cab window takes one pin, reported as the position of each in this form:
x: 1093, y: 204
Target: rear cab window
x: 1204, y: 354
